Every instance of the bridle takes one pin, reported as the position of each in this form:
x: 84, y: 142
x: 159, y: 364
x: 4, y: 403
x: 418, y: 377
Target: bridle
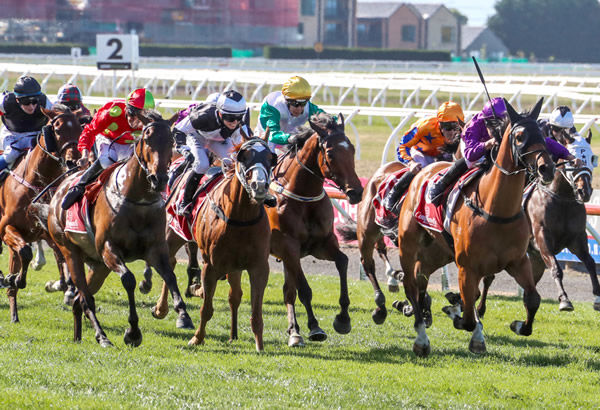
x: 59, y: 153
x: 141, y: 141
x: 241, y: 171
x: 570, y: 175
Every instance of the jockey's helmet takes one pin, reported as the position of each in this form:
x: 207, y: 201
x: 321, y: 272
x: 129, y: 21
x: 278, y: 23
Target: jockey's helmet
x: 69, y: 95
x: 450, y: 112
x: 561, y: 117
x: 499, y: 108
x: 231, y: 102
x: 141, y: 99
x: 296, y: 88
x: 27, y: 86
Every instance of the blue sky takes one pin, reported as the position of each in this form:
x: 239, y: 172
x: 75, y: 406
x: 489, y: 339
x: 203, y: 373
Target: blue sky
x: 476, y: 10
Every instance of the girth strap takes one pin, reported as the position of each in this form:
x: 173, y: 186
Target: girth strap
x: 221, y: 215
x: 488, y: 217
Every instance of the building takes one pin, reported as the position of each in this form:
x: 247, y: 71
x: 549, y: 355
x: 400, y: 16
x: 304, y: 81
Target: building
x: 388, y: 25
x: 331, y: 23
x: 481, y: 42
x: 441, y: 28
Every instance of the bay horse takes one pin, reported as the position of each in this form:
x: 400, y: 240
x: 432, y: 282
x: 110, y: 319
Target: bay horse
x: 302, y: 221
x: 19, y: 225
x: 127, y: 222
x: 558, y: 221
x: 488, y: 231
x: 233, y: 234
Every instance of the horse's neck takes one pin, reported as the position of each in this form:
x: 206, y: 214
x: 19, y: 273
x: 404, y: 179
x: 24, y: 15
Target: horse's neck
x: 134, y: 185
x: 236, y: 201
x: 38, y: 168
x: 561, y: 186
x: 501, y: 194
x: 302, y: 181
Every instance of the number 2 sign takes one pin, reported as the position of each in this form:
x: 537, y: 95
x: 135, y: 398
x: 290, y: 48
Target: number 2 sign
x: 117, y: 51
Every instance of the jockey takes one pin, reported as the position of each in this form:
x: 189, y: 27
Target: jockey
x: 428, y: 138
x: 213, y: 127
x: 560, y: 131
x: 112, y: 130
x: 22, y: 117
x: 285, y: 111
x: 70, y: 96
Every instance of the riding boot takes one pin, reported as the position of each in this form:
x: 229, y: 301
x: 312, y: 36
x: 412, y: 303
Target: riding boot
x: 390, y: 202
x: 76, y: 192
x: 188, y: 194
x: 434, y: 194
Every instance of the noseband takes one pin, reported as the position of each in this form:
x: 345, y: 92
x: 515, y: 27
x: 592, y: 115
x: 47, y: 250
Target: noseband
x: 59, y: 154
x: 517, y: 155
x: 143, y: 164
x: 240, y: 169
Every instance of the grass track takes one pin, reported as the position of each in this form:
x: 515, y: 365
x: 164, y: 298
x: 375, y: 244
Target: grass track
x: 373, y: 366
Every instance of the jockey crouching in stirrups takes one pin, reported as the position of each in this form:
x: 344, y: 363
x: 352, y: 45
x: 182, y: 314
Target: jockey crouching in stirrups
x: 113, y: 130
x: 285, y: 111
x: 425, y: 142
x: 22, y: 117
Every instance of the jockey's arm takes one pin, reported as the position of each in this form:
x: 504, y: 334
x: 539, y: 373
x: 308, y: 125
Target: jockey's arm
x: 409, y: 139
x: 270, y: 117
x: 557, y: 150
x: 101, y: 121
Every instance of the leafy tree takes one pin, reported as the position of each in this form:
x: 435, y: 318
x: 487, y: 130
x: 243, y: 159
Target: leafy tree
x: 563, y: 30
x: 462, y: 19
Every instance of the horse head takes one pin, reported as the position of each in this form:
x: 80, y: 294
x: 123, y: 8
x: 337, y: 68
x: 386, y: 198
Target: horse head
x: 153, y: 149
x: 336, y: 155
x: 254, y: 162
x: 527, y: 144
x: 580, y: 178
x: 60, y: 140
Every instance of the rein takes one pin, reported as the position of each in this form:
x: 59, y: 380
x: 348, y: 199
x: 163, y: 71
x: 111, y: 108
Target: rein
x: 234, y: 222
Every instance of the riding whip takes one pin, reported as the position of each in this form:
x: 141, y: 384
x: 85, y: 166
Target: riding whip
x: 484, y: 86
x: 67, y: 172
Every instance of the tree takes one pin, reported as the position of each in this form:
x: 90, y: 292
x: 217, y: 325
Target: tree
x: 564, y: 30
x: 462, y: 19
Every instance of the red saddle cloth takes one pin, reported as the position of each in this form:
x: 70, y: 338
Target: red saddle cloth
x: 78, y: 213
x: 382, y: 214
x: 179, y: 223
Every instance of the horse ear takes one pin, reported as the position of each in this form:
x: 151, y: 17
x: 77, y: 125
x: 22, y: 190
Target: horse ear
x: 173, y: 119
x: 243, y: 134
x: 341, y: 119
x: 266, y: 135
x: 535, y: 112
x: 512, y: 114
x: 145, y: 120
x: 320, y: 131
x: 588, y: 138
x: 48, y: 113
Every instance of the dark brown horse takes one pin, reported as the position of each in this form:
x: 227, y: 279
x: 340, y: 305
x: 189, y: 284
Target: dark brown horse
x: 558, y: 221
x: 127, y: 222
x: 489, y: 231
x: 302, y: 222
x: 232, y: 232
x: 18, y: 223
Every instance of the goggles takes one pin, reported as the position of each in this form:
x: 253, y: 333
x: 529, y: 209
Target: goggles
x: 449, y: 126
x: 558, y: 129
x: 297, y: 103
x: 28, y: 101
x: 73, y: 106
x: 232, y: 117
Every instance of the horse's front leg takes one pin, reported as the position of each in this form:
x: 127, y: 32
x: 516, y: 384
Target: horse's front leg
x: 193, y: 270
x: 487, y: 283
x: 394, y: 276
x: 521, y: 271
x: 15, y: 241
x: 209, y: 285
x: 468, y: 283
x: 112, y: 258
x: 555, y: 270
x: 158, y: 258
x: 235, y: 298
x: 145, y: 285
x: 259, y: 276
x: 14, y: 265
x: 412, y: 270
x: 581, y: 250
x: 366, y: 243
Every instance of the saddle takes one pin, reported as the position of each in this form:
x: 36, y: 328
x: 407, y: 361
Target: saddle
x: 92, y: 190
x: 387, y: 220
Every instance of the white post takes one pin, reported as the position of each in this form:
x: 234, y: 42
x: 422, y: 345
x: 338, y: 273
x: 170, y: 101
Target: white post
x: 114, y: 83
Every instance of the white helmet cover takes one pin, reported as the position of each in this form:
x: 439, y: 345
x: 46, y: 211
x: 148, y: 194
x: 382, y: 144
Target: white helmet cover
x: 561, y: 117
x: 231, y: 102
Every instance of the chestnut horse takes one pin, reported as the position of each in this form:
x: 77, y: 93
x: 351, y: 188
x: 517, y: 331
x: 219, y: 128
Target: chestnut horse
x: 558, y: 221
x: 302, y: 222
x: 488, y: 231
x: 232, y: 232
x: 18, y: 223
x: 127, y: 222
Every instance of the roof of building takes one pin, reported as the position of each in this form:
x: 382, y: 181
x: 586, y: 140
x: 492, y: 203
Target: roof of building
x: 376, y: 9
x: 426, y: 10
x: 469, y: 34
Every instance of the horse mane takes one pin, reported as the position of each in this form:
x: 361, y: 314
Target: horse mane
x: 322, y: 120
x: 153, y: 115
x: 60, y: 108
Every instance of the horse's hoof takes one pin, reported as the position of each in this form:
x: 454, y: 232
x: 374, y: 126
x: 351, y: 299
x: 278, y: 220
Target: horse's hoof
x: 145, y: 287
x: 21, y: 284
x: 295, y: 340
x: 157, y: 315
x: 342, y: 325
x: 194, y: 290
x: 379, y: 315
x: 132, y: 338
x: 69, y: 298
x: 453, y: 298
x: 517, y: 326
x: 566, y: 306
x: 379, y: 298
x: 317, y: 335
x: 184, y: 322
x: 428, y: 319
x: 421, y: 351
x: 398, y: 275
x: 105, y: 343
x: 9, y: 281
x: 50, y: 286
x: 597, y: 306
x: 477, y: 347
x: 194, y: 341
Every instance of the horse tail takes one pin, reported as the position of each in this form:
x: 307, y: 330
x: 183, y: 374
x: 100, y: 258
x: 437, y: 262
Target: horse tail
x: 347, y: 231
x: 40, y: 213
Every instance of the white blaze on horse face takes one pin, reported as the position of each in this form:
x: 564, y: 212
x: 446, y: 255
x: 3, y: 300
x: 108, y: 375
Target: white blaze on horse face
x: 259, y: 181
x: 344, y: 145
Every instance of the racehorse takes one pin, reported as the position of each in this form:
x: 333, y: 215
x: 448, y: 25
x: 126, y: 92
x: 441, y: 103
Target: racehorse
x: 126, y: 222
x: 302, y: 222
x: 488, y: 231
x: 558, y: 220
x: 232, y: 232
x: 19, y: 226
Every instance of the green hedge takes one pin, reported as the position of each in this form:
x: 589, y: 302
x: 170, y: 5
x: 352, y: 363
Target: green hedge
x: 43, y: 48
x: 301, y: 53
x: 169, y: 50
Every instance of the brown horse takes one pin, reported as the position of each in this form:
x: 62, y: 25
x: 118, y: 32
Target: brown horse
x: 302, y: 222
x: 232, y: 232
x: 488, y: 231
x: 558, y: 221
x: 127, y: 222
x: 18, y: 224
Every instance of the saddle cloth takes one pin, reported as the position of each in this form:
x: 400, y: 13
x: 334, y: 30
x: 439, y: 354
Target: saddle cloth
x: 435, y: 217
x: 179, y: 223
x: 78, y: 215
x: 382, y: 215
